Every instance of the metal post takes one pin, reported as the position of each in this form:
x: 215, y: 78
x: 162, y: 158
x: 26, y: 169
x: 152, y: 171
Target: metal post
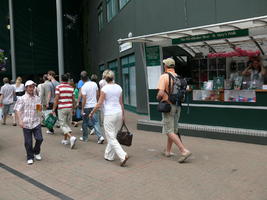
x: 12, y: 40
x: 60, y: 38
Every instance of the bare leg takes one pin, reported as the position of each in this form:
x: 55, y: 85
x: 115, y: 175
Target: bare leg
x: 14, y: 118
x: 174, y: 138
x: 4, y: 118
x: 169, y: 145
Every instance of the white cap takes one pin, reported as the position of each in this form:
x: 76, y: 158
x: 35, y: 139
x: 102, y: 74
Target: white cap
x: 30, y: 82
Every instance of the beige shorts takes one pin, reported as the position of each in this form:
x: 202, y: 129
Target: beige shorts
x: 170, y: 120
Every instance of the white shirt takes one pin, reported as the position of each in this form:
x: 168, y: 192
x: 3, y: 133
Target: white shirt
x: 102, y: 83
x: 8, y: 92
x: 89, y: 89
x: 112, y: 104
x: 21, y: 87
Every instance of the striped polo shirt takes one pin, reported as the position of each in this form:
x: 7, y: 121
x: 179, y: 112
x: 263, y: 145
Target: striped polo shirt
x: 65, y: 92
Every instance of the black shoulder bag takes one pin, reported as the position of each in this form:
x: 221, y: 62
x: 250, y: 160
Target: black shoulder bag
x: 164, y: 106
x: 124, y: 136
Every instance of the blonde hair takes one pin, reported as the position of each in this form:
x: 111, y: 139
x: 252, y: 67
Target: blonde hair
x: 109, y: 76
x: 18, y: 81
x: 105, y: 73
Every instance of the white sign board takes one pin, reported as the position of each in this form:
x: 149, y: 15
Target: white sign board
x: 126, y: 46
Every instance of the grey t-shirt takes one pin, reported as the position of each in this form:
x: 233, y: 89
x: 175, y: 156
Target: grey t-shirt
x: 52, y: 85
x: 8, y: 92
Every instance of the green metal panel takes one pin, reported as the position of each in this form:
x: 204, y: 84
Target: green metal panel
x: 35, y: 37
x: 154, y: 114
x: 152, y: 95
x: 228, y: 117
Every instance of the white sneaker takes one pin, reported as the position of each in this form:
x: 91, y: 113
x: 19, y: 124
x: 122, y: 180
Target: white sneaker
x: 38, y: 157
x: 49, y: 132
x: 72, y: 142
x: 30, y: 161
x: 65, y: 142
x: 101, y: 140
x: 92, y: 132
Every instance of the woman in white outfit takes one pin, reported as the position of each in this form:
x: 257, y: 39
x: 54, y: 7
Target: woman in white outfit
x: 111, y: 99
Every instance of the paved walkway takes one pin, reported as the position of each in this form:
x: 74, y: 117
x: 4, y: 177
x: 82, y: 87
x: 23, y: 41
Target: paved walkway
x: 218, y: 170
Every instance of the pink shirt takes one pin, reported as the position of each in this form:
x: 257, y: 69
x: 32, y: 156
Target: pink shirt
x: 27, y: 106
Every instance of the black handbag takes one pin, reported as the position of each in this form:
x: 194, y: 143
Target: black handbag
x: 124, y: 136
x: 164, y: 106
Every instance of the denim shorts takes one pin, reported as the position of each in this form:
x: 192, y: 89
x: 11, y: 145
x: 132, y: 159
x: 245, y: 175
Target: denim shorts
x: 170, y: 120
x: 8, y: 109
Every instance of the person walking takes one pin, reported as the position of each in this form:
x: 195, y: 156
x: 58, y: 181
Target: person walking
x: 51, y: 94
x: 170, y: 119
x: 28, y: 109
x: 20, y: 91
x: 90, y: 93
x: 111, y: 99
x: 44, y: 90
x: 7, y: 97
x: 64, y: 102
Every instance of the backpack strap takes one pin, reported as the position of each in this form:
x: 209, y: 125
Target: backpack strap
x: 170, y: 77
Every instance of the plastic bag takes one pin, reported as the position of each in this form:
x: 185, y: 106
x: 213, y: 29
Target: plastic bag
x: 1, y: 113
x: 50, y: 120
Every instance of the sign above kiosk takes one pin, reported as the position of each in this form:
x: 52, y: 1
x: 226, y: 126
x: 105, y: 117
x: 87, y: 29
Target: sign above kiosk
x: 211, y: 36
x: 248, y: 34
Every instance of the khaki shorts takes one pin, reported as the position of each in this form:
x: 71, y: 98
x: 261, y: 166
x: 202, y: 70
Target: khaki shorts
x: 170, y: 120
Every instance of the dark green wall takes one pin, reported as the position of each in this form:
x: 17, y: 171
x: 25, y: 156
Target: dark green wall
x: 36, y: 37
x: 4, y: 36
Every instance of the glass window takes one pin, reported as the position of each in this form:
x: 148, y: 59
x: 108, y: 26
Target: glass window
x: 129, y: 80
x: 100, y: 17
x: 123, y: 3
x: 102, y: 68
x: 114, y: 67
x: 111, y: 9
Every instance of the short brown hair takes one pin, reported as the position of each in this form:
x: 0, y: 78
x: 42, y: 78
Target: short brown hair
x: 51, y: 73
x: 5, y: 80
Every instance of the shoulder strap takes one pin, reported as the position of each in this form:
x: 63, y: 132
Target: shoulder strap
x: 170, y: 77
x: 124, y: 125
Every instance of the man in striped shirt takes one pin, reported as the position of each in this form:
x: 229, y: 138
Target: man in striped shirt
x: 64, y: 102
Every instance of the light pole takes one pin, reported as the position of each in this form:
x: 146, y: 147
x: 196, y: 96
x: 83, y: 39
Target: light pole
x: 60, y: 38
x: 12, y: 40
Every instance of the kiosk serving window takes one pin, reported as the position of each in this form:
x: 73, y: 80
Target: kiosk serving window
x: 129, y: 80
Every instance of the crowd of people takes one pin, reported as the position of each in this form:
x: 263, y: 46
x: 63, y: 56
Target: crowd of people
x: 93, y: 103
x: 71, y: 103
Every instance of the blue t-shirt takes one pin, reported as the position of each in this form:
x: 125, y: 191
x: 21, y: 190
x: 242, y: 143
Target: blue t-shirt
x: 80, y: 84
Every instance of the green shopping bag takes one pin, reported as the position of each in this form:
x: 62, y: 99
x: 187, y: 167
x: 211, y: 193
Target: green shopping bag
x: 50, y: 121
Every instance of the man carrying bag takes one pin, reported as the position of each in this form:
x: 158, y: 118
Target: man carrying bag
x: 170, y: 115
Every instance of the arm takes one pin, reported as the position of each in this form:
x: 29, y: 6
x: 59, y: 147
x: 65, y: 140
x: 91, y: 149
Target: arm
x: 97, y: 95
x: 55, y: 103
x: 247, y: 71
x: 18, y: 114
x: 1, y: 100
x: 83, y: 103
x: 79, y: 97
x: 122, y: 108
x: 48, y: 98
x: 263, y: 70
x: 160, y: 95
x: 99, y: 104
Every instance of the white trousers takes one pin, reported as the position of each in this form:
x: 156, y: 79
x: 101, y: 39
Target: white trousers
x: 112, y: 124
x: 64, y: 118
